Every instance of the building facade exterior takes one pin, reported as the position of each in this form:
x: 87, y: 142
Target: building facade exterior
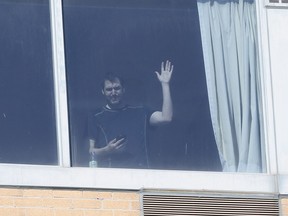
x: 60, y: 185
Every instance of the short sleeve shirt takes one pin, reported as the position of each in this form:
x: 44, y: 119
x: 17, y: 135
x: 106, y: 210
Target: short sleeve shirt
x: 131, y: 122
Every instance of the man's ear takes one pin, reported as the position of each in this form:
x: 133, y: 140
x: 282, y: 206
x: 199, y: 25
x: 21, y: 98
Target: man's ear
x: 102, y: 91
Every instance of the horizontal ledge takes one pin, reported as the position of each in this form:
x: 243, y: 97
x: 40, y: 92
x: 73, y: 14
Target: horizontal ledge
x: 132, y: 179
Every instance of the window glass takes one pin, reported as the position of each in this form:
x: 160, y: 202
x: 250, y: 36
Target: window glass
x: 120, y: 111
x: 27, y: 126
x: 131, y: 39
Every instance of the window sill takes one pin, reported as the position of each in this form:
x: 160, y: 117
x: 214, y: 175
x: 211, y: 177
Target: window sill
x: 129, y: 179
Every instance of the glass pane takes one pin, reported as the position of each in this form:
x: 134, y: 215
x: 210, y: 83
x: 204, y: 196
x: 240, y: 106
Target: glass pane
x: 131, y: 39
x: 27, y: 126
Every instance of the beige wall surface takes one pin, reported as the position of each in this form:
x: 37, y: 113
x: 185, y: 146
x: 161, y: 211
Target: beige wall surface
x: 63, y: 202
x: 22, y: 201
x: 284, y: 206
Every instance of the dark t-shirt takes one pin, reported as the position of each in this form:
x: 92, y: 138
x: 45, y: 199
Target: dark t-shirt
x: 131, y: 122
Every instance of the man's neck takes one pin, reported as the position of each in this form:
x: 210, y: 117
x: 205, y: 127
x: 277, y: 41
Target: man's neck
x: 118, y: 107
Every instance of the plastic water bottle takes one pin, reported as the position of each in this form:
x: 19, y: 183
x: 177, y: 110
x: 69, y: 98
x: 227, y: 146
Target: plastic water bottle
x: 93, y: 161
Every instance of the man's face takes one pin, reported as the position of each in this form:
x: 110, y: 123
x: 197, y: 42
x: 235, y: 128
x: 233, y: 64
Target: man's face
x: 113, y: 91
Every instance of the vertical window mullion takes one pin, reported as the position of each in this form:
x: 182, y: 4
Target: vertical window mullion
x: 266, y: 89
x: 61, y: 103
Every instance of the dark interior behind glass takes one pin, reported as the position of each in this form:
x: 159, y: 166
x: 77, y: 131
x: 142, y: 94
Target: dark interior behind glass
x: 27, y: 117
x: 133, y: 37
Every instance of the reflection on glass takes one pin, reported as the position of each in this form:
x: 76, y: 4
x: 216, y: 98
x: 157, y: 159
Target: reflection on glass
x: 131, y: 39
x: 27, y: 121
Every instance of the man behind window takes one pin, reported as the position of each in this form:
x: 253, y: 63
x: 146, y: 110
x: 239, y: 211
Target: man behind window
x: 117, y: 132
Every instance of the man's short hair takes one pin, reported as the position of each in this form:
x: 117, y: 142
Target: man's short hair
x: 112, y: 78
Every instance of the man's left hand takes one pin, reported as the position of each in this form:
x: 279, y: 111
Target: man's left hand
x: 166, y: 72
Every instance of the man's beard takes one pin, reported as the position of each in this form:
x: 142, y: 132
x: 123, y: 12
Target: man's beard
x: 115, y: 102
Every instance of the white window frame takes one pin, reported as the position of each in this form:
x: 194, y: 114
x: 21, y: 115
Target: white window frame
x: 64, y: 175
x: 276, y: 4
x: 276, y: 22
x: 60, y: 89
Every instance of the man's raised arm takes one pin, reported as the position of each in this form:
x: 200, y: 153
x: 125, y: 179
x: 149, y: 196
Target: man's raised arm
x: 164, y: 77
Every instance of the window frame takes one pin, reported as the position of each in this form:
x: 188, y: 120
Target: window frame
x: 276, y: 4
x: 64, y: 175
x: 60, y: 88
